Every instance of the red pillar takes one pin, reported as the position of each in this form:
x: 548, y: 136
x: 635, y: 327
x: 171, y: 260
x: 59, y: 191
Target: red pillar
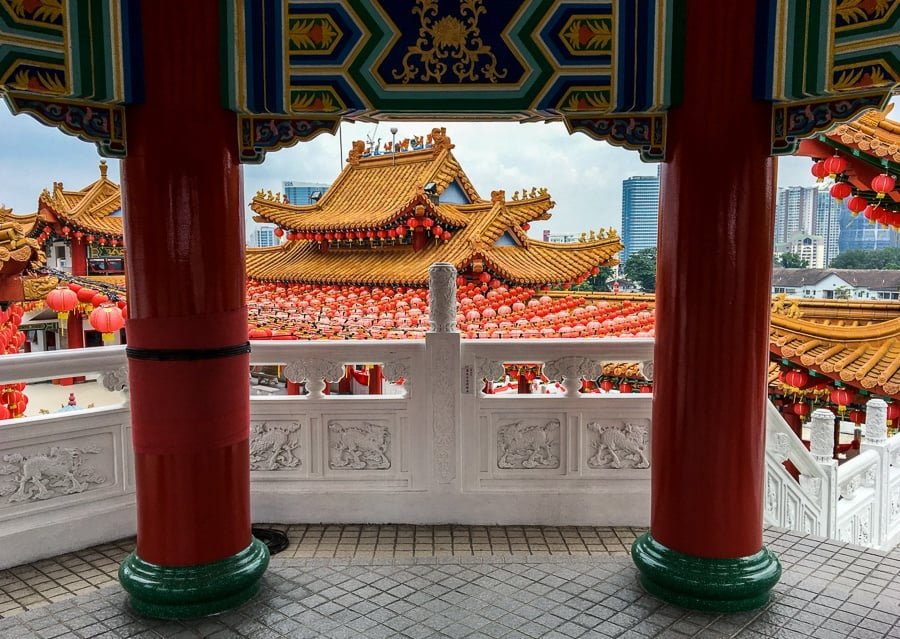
x: 375, y: 380
x: 187, y: 324
x: 79, y: 256
x: 712, y: 325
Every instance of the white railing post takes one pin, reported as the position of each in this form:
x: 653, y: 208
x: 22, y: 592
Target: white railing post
x: 876, y: 439
x: 442, y: 351
x: 821, y: 437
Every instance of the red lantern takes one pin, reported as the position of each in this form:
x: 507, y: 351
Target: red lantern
x: 818, y: 170
x: 380, y: 234
x: 883, y: 184
x: 65, y: 231
x: 413, y: 222
x: 102, y: 241
x: 114, y: 242
x: 841, y: 190
x: 606, y: 385
x: 437, y: 231
x: 485, y: 277
x: 446, y: 236
x: 526, y: 227
x: 856, y: 205
x: 800, y: 409
x: 595, y: 270
x: 893, y: 412
x: 329, y: 237
x: 107, y: 319
x: 392, y: 233
x: 796, y: 378
x: 279, y: 232
x: 370, y: 234
x: 401, y: 231
x: 291, y: 236
x: 646, y: 388
x: 339, y: 236
x: 85, y: 295
x: 90, y: 239
x: 318, y: 237
x: 63, y: 300
x: 79, y: 235
x: 835, y: 164
x: 625, y: 388
x: 841, y: 397
x: 856, y: 416
x: 495, y: 283
x: 427, y: 222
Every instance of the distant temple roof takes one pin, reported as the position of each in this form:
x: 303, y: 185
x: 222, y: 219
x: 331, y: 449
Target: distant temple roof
x: 872, y: 133
x: 94, y: 209
x: 379, y: 192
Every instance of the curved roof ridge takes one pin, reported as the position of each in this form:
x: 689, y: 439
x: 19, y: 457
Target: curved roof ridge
x: 835, y: 333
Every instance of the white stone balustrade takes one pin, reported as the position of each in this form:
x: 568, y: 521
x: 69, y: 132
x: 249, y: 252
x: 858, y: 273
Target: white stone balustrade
x: 440, y: 452
x: 857, y: 502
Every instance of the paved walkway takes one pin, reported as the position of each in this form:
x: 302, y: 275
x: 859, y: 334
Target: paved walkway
x: 828, y: 591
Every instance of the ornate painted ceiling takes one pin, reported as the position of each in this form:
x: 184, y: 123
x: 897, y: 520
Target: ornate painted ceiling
x: 294, y: 68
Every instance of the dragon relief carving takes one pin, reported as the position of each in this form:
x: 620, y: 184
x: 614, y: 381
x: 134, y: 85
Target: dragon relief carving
x: 619, y: 445
x: 59, y: 471
x: 273, y: 445
x: 528, y: 445
x: 358, y: 446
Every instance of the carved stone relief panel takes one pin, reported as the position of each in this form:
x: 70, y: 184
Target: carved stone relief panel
x: 528, y: 443
x: 617, y: 444
x: 358, y: 445
x: 47, y: 471
x: 275, y: 445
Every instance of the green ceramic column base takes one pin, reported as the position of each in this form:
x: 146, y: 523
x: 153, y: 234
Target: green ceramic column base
x: 181, y: 592
x: 711, y: 585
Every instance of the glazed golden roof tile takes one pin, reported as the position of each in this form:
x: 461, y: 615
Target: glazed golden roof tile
x: 872, y: 133
x: 91, y: 209
x: 18, y: 252
x: 26, y: 222
x: 863, y: 354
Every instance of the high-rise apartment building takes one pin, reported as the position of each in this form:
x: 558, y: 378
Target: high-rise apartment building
x: 640, y: 213
x: 302, y: 193
x: 794, y: 212
x: 262, y: 237
x: 828, y: 222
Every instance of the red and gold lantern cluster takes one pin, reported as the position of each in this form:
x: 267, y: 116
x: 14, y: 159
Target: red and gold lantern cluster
x: 12, y: 400
x: 83, y: 300
x: 881, y: 185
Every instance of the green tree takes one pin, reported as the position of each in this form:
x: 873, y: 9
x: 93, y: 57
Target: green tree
x: 641, y: 269
x: 884, y: 259
x: 842, y: 292
x: 791, y: 260
x: 598, y: 282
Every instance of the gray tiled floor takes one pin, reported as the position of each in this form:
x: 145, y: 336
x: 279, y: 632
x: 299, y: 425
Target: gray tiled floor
x: 828, y: 591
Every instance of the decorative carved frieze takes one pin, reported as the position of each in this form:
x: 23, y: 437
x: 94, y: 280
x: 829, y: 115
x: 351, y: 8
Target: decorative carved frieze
x: 442, y: 298
x: 812, y: 486
x: 570, y: 370
x: 528, y: 444
x: 274, y: 445
x: 58, y: 471
x: 876, y: 421
x: 314, y: 372
x: 115, y: 380
x: 618, y: 445
x: 358, y: 446
x: 394, y: 369
x: 780, y: 447
x: 488, y: 369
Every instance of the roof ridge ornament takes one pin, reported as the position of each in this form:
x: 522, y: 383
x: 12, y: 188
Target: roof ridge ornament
x: 439, y: 140
x: 103, y: 169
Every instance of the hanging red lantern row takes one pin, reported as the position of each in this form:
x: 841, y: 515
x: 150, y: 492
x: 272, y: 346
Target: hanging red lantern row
x: 12, y: 400
x: 883, y: 184
x: 796, y: 378
x: 840, y: 191
x: 819, y: 171
x: 835, y: 165
x: 279, y: 232
x: 857, y: 205
x: 107, y: 318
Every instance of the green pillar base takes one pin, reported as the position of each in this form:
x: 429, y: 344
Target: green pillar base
x: 710, y: 585
x: 182, y: 592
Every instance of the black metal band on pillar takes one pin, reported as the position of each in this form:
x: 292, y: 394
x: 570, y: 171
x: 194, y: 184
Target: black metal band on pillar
x: 186, y: 354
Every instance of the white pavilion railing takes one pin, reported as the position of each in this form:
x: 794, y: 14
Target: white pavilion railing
x: 857, y: 502
x: 437, y: 450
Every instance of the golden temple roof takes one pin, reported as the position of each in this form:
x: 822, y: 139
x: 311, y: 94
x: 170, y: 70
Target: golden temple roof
x: 857, y: 342
x: 372, y: 191
x: 872, y: 133
x: 26, y: 222
x: 93, y: 209
x: 375, y: 191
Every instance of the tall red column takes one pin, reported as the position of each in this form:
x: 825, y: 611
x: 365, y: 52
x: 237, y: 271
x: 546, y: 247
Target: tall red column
x: 712, y: 326
x: 79, y: 256
x: 187, y: 325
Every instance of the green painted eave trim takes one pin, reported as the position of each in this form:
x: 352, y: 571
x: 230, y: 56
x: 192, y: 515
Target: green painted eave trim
x: 883, y: 163
x: 700, y: 583
x: 182, y: 592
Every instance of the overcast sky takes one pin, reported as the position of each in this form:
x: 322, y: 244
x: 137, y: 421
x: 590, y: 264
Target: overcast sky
x: 584, y: 176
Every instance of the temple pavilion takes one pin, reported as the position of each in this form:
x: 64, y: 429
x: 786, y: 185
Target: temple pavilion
x: 389, y: 216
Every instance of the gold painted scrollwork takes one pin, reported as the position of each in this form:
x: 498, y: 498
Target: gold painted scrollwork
x: 449, y: 43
